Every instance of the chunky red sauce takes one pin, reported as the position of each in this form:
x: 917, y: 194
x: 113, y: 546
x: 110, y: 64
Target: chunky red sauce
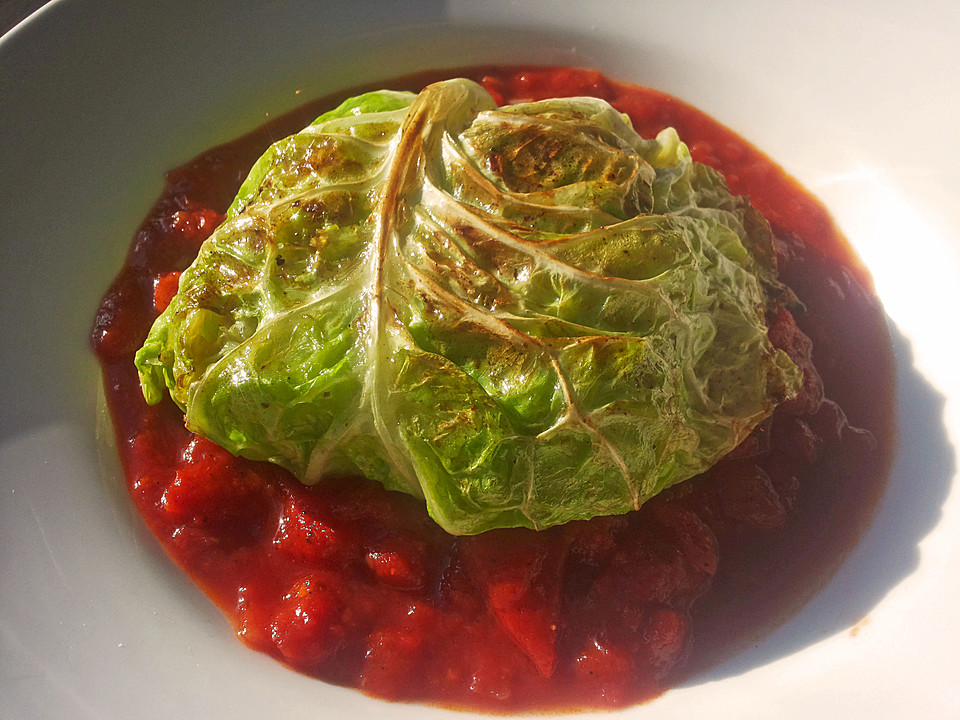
x: 357, y: 586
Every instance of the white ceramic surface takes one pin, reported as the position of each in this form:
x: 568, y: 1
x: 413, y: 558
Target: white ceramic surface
x: 97, y: 99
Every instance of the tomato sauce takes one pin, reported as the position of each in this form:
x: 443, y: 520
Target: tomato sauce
x: 356, y: 585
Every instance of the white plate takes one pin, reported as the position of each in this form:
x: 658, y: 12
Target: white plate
x: 97, y: 99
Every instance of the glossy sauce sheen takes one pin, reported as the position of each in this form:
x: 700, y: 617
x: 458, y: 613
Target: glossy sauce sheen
x: 356, y: 585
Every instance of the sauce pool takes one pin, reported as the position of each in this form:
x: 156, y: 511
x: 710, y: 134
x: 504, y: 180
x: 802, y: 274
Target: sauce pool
x: 357, y: 586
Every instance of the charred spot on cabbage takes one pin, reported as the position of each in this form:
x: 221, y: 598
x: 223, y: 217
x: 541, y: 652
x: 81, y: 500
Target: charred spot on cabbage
x: 524, y: 314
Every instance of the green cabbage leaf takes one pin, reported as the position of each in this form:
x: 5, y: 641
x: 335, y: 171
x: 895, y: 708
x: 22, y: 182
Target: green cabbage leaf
x: 525, y: 314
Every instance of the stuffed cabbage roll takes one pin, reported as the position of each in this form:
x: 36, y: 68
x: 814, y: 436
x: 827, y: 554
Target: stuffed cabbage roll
x: 524, y: 315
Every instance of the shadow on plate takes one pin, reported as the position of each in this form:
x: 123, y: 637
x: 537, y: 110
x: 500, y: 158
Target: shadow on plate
x: 919, y: 481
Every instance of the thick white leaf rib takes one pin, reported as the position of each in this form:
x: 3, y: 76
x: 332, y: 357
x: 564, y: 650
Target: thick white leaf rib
x: 417, y: 141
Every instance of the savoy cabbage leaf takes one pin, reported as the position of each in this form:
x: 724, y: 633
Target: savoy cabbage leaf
x: 525, y: 314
